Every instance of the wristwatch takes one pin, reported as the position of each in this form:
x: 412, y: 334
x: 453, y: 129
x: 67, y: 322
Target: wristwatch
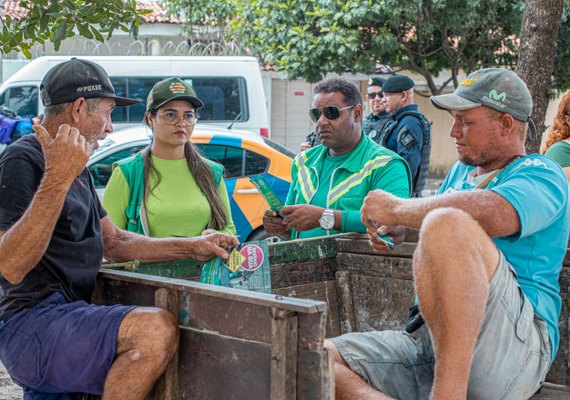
x: 327, y: 220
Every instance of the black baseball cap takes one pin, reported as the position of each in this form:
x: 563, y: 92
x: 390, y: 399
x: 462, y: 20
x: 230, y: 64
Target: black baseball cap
x: 70, y: 80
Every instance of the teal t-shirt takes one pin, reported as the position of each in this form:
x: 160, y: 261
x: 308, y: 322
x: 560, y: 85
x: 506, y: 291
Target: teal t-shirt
x: 537, y: 188
x: 560, y: 152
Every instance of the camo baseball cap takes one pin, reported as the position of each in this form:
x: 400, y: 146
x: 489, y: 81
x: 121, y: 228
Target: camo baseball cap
x: 496, y: 88
x: 171, y: 89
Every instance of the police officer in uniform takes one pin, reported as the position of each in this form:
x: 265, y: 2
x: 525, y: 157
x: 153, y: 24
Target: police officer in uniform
x: 408, y: 132
x: 375, y: 121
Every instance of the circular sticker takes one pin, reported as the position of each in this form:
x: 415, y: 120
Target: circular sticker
x: 253, y: 257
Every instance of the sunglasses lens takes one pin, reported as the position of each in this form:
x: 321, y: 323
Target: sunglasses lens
x: 372, y: 96
x: 315, y: 114
x: 331, y: 112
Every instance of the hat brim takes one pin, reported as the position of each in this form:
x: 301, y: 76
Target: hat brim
x: 196, y: 102
x: 124, y: 101
x: 453, y: 102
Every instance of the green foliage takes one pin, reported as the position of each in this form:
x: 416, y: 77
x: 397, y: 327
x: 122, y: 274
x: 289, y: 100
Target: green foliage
x: 58, y: 20
x: 561, y: 73
x: 309, y: 38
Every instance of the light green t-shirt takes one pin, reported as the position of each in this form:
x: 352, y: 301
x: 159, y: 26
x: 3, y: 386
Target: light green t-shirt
x: 176, y: 207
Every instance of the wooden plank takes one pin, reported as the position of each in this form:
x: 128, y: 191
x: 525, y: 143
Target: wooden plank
x: 323, y: 291
x: 214, y: 366
x: 361, y: 245
x: 167, y: 386
x: 295, y: 251
x: 392, y: 267
x: 346, y: 317
x: 287, y: 275
x: 149, y: 282
x: 283, y: 355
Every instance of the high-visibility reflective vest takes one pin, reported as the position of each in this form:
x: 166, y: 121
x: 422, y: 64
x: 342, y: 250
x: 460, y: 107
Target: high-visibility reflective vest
x: 349, y: 182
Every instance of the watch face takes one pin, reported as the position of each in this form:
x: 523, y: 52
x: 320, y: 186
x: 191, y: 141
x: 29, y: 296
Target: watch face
x: 327, y: 221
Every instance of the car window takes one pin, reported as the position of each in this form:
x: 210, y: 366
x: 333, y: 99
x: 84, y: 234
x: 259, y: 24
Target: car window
x: 101, y: 171
x: 233, y: 160
x: 224, y: 98
x: 23, y: 100
x: 255, y: 164
x: 279, y: 147
x: 230, y: 157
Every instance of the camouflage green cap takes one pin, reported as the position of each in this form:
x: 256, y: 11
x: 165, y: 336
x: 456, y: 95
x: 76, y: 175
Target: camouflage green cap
x: 171, y: 89
x: 496, y: 88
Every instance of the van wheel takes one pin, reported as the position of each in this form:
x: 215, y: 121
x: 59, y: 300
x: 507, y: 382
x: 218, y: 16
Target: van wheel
x: 260, y: 234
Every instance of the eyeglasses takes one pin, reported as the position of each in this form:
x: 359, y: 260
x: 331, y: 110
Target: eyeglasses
x: 172, y: 118
x: 372, y: 95
x: 331, y: 112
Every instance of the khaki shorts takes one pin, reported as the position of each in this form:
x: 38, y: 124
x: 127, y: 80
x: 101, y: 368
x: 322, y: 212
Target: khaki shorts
x: 511, y: 358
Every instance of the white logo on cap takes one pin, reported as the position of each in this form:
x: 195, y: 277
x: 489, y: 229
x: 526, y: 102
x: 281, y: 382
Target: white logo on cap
x: 89, y: 88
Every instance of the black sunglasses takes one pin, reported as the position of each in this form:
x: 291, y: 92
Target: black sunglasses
x: 372, y: 95
x: 331, y: 112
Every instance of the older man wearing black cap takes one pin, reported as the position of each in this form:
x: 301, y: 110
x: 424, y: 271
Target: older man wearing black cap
x: 54, y: 234
x: 374, y: 122
x: 408, y: 133
x: 486, y: 267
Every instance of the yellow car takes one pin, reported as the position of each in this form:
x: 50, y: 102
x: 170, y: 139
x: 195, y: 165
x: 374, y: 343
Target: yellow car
x: 243, y: 154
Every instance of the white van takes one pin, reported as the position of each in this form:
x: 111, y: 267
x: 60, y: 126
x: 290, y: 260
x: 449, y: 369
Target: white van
x: 230, y: 87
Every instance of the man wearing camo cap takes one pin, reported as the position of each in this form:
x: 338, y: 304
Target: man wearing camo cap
x: 490, y: 250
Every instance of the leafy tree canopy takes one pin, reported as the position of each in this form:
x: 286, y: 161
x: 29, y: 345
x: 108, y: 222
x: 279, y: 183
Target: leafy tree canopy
x: 308, y: 38
x: 57, y: 20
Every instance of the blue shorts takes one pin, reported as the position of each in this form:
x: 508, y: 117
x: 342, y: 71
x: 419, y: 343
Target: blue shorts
x: 510, y: 362
x: 61, y: 348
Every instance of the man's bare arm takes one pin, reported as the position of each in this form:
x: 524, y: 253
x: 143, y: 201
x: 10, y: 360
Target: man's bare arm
x: 121, y: 245
x: 23, y: 245
x: 493, y: 212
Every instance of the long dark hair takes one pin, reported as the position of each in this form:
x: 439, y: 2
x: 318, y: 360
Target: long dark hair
x: 202, y: 173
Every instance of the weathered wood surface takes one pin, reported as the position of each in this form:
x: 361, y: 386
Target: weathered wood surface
x: 363, y: 291
x: 234, y: 344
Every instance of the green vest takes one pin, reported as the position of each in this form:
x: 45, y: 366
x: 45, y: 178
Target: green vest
x: 133, y: 171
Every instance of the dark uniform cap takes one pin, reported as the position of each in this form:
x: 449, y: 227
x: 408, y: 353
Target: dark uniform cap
x: 171, y: 89
x: 376, y: 81
x: 397, y: 84
x: 496, y: 88
x: 70, y: 80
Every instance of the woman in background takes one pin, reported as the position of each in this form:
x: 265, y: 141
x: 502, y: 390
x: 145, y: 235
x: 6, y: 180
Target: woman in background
x: 169, y: 189
x: 557, y: 144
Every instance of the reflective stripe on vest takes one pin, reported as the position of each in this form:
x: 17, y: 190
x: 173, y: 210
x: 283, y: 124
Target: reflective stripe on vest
x: 355, y: 179
x: 308, y: 190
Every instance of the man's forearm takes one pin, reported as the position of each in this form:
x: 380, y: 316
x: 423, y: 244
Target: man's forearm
x: 23, y: 245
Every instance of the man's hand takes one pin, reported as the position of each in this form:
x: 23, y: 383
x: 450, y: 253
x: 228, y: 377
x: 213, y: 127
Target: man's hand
x: 302, y: 217
x: 66, y: 155
x: 273, y: 223
x: 379, y: 208
x: 204, y: 248
x: 304, y: 146
x: 396, y: 233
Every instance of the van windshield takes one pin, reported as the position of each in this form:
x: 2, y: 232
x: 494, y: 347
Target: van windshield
x: 224, y: 98
x: 23, y: 100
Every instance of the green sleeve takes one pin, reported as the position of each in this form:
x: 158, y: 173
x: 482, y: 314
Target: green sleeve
x: 116, y: 198
x: 393, y: 178
x: 230, y: 228
x: 559, y: 152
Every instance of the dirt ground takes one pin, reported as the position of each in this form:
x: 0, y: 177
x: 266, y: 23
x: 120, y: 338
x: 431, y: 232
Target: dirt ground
x: 8, y: 389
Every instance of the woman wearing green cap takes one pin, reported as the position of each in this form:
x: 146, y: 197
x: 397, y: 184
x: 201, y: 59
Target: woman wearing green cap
x: 169, y: 189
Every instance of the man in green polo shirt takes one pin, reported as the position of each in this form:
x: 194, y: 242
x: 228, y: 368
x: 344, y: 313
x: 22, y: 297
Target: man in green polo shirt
x: 331, y: 180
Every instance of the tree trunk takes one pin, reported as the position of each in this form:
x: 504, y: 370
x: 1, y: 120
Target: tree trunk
x: 538, y: 38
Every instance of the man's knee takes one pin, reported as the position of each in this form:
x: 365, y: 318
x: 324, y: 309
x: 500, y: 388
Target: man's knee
x: 151, y: 331
x: 447, y: 224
